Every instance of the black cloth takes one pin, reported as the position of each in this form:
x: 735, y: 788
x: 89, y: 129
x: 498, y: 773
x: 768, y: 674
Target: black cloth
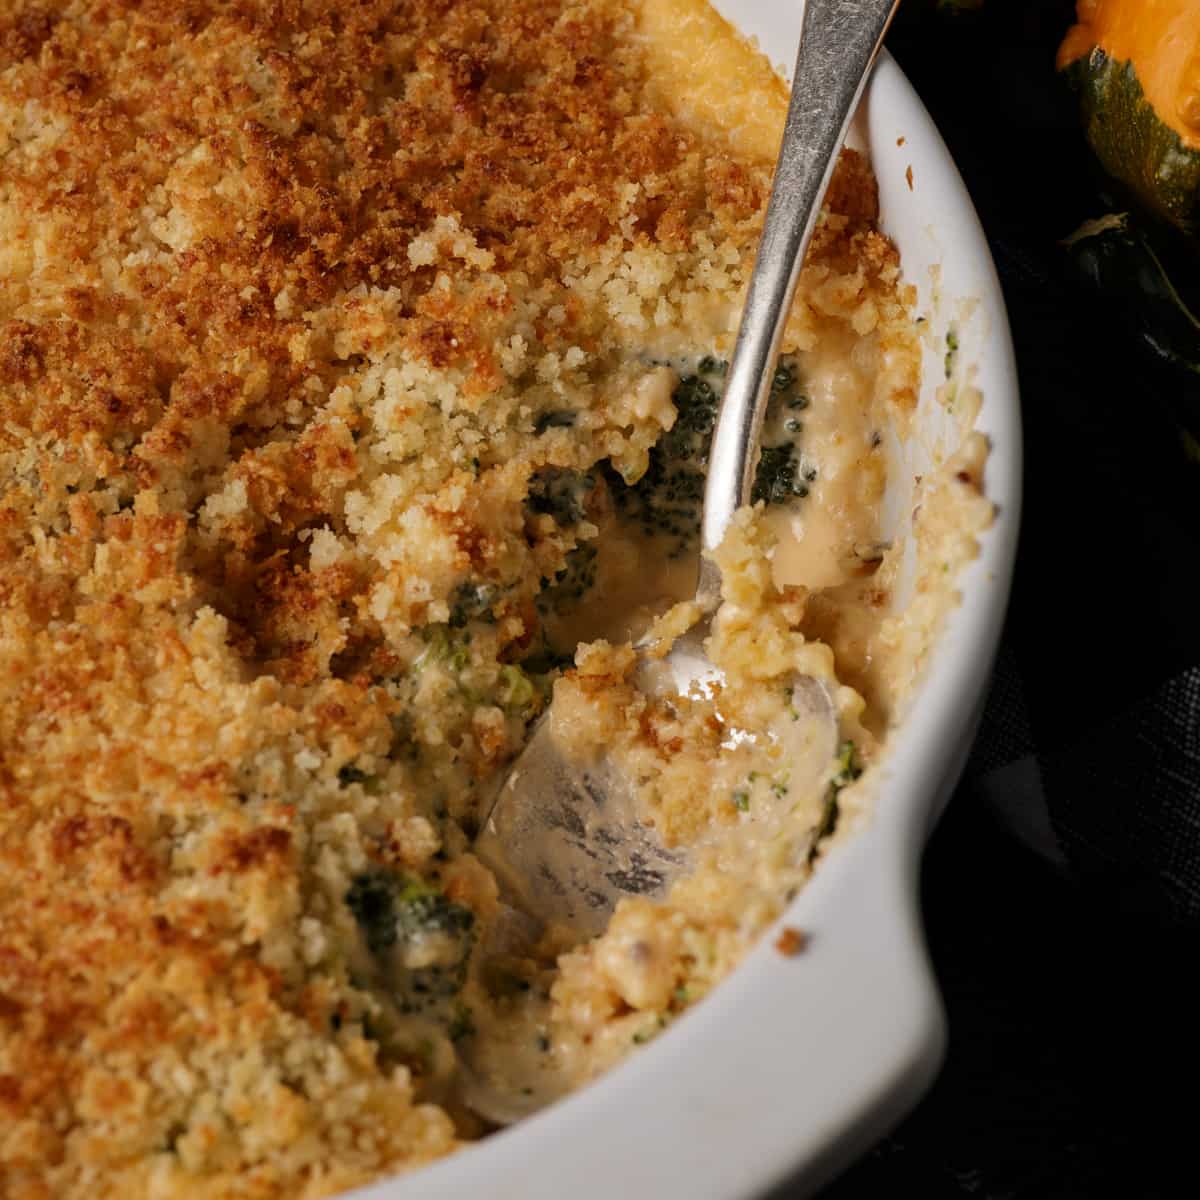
x: 1062, y: 890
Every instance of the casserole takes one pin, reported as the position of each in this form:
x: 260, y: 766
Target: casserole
x: 288, y: 503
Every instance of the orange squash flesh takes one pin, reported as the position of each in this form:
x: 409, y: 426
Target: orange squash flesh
x: 1161, y: 38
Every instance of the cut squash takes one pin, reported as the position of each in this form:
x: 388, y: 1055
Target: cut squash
x: 1136, y: 66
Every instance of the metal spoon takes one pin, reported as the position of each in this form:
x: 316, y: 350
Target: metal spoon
x: 564, y: 838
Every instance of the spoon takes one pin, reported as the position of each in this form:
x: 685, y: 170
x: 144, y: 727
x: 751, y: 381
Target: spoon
x: 564, y: 838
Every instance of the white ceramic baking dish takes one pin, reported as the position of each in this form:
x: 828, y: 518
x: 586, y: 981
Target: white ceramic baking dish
x: 795, y: 1065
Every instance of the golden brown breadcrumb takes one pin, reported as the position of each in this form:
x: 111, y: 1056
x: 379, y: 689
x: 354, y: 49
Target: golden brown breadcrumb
x: 791, y: 941
x: 287, y: 291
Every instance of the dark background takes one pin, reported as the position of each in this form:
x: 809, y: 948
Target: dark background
x: 1068, y: 969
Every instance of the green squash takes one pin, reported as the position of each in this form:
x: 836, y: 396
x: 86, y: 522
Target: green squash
x: 1121, y: 261
x: 1144, y: 278
x: 1133, y: 143
x: 1136, y: 68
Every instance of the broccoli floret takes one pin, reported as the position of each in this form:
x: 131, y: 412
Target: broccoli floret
x: 561, y: 493
x: 780, y: 476
x: 572, y: 583
x: 666, y: 501
x: 546, y: 660
x: 461, y: 1024
x: 421, y: 910
x: 518, y: 693
x: 695, y: 399
x: 472, y: 602
x: 784, y: 379
x: 441, y: 647
x: 849, y: 768
x: 421, y: 942
x: 372, y: 900
x: 392, y: 909
x: 556, y: 419
x: 543, y: 665
x: 951, y: 350
x: 404, y: 746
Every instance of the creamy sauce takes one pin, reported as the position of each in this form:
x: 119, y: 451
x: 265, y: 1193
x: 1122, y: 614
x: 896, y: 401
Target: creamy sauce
x: 832, y: 535
x: 638, y: 580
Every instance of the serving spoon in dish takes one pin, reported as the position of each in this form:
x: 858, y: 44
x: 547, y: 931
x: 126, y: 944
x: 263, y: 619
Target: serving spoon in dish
x: 563, y: 837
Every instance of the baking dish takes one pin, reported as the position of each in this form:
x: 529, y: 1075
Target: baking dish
x: 796, y: 1064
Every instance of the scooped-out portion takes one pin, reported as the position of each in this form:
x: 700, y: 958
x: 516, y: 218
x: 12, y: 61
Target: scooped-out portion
x: 358, y: 367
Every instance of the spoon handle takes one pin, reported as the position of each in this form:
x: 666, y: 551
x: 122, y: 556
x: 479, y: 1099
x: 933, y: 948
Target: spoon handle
x: 838, y: 43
